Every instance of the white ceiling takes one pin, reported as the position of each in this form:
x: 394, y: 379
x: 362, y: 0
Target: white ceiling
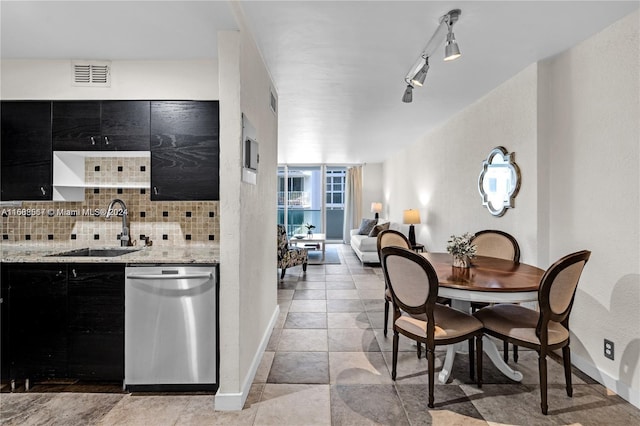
x: 338, y: 66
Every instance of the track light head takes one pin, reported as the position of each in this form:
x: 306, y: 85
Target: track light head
x: 451, y: 49
x: 408, y: 94
x: 421, y: 75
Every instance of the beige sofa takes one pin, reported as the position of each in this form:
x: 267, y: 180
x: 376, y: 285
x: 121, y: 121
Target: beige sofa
x: 366, y: 247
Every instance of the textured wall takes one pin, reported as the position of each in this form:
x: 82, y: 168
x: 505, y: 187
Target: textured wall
x: 51, y: 79
x: 594, y: 200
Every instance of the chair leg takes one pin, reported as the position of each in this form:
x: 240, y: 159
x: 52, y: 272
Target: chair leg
x: 472, y: 373
x: 394, y: 361
x: 542, y: 371
x: 420, y: 350
x: 282, y: 274
x: 505, y: 351
x: 515, y: 353
x: 386, y: 316
x: 566, y: 357
x: 304, y: 267
x: 479, y: 359
x: 431, y: 366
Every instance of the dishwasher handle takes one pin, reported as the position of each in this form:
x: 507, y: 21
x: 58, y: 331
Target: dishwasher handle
x: 207, y: 275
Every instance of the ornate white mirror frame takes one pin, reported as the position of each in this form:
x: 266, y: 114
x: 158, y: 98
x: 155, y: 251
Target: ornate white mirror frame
x: 499, y: 181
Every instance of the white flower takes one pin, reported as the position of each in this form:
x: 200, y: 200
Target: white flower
x: 461, y: 245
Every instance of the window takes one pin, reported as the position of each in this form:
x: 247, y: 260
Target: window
x: 335, y: 179
x: 312, y: 194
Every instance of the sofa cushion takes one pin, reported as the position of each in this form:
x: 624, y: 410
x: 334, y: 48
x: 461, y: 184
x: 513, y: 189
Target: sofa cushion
x: 378, y: 229
x: 366, y: 226
x: 368, y: 244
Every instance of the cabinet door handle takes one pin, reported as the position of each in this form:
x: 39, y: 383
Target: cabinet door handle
x: 155, y: 190
x: 106, y: 140
x: 73, y: 271
x: 44, y: 192
x: 59, y: 274
x: 93, y: 140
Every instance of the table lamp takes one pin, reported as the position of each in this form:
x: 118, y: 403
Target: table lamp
x: 376, y: 208
x: 411, y: 217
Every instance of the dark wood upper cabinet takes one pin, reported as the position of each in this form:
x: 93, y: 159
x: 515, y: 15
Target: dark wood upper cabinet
x: 185, y: 150
x: 101, y: 125
x: 125, y: 126
x: 26, y: 150
x: 76, y: 125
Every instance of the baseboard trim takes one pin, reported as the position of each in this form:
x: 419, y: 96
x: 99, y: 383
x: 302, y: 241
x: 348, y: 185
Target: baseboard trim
x: 621, y: 389
x: 235, y: 401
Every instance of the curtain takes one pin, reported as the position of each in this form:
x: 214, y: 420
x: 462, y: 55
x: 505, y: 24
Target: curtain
x: 353, y: 201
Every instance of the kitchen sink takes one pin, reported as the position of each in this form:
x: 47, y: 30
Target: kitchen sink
x: 98, y: 252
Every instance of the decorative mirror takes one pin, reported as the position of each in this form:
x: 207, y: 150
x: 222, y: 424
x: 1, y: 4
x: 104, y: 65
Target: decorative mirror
x: 499, y: 181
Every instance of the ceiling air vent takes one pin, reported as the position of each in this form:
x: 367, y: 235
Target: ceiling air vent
x: 91, y: 73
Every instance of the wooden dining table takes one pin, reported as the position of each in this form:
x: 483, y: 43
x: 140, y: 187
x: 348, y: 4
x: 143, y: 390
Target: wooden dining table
x: 490, y: 280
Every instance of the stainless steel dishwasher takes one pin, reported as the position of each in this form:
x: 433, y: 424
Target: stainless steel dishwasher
x: 171, y: 328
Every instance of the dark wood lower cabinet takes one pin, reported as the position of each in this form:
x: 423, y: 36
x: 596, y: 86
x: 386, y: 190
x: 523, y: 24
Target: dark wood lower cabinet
x: 4, y: 323
x: 64, y: 321
x: 95, y: 329
x: 37, y: 320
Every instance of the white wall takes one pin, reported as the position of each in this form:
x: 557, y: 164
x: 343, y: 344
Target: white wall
x: 157, y: 80
x: 248, y: 292
x: 573, y: 123
x: 230, y: 157
x: 372, y: 189
x: 258, y: 257
x: 594, y: 198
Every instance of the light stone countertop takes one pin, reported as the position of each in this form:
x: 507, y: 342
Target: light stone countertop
x: 41, y: 253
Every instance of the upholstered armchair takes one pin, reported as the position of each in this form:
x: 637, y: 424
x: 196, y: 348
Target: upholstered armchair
x: 289, y: 256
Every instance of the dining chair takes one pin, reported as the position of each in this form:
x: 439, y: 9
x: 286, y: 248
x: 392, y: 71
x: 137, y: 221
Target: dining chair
x: 387, y: 238
x: 543, y: 331
x: 289, y: 256
x: 494, y: 243
x: 413, y: 284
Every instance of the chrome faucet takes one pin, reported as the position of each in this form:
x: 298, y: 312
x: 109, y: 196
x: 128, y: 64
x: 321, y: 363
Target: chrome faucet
x: 124, y: 237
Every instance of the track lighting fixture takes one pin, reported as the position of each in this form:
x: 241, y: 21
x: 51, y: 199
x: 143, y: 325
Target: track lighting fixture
x: 418, y: 72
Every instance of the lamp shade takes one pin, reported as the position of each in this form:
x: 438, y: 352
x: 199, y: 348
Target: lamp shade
x: 376, y: 207
x: 411, y: 217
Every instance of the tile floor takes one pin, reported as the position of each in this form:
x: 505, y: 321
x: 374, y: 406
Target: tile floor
x: 328, y: 363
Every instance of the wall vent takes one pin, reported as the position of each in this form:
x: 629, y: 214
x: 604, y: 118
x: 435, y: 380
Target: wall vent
x: 91, y: 73
x: 273, y: 102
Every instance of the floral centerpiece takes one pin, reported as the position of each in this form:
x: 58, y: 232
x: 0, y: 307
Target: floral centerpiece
x: 309, y: 228
x: 462, y: 249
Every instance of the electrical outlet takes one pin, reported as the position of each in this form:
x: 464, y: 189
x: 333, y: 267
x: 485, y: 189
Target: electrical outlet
x: 608, y: 349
